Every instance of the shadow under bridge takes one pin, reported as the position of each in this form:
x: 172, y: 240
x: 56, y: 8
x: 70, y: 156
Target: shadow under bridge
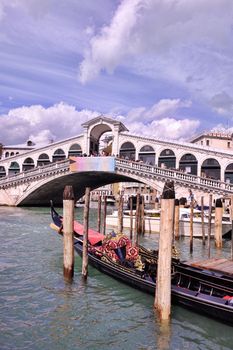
x: 53, y: 189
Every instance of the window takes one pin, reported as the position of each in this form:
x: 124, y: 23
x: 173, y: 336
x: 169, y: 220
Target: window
x: 207, y: 142
x: 228, y: 144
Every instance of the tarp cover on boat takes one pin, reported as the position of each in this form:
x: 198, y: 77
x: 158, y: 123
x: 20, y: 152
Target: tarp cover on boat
x: 93, y: 236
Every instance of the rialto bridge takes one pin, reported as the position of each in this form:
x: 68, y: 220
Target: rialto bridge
x: 35, y: 176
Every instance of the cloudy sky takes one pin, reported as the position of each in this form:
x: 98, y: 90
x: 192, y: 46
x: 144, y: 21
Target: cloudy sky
x: 163, y: 67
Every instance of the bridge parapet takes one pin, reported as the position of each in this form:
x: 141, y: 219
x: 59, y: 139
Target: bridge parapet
x: 34, y: 174
x: 202, y: 183
x: 124, y: 167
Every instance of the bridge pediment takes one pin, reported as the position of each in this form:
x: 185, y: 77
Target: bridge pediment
x: 102, y: 120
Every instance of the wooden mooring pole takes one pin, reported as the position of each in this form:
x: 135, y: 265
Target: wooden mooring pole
x: 120, y: 214
x: 131, y: 217
x: 218, y: 223
x: 191, y: 228
x: 68, y: 233
x: 104, y: 215
x: 99, y: 213
x: 202, y: 220
x: 142, y: 215
x: 209, y: 223
x: 231, y: 216
x: 177, y: 219
x: 85, y: 233
x: 163, y: 286
x: 137, y: 216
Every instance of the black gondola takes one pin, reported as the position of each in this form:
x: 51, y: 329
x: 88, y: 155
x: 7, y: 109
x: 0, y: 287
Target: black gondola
x: 195, y: 289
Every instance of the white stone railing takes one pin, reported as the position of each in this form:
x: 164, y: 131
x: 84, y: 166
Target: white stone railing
x: 35, y: 172
x: 127, y: 166
x: 177, y: 176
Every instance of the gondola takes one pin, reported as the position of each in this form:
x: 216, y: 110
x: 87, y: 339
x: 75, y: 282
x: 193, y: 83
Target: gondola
x: 137, y: 268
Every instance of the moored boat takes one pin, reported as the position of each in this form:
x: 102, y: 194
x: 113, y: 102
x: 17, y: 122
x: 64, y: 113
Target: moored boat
x: 135, y: 266
x: 152, y: 222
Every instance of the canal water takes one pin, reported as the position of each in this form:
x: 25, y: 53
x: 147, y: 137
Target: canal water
x: 38, y: 310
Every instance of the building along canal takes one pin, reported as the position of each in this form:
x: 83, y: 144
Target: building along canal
x: 38, y: 310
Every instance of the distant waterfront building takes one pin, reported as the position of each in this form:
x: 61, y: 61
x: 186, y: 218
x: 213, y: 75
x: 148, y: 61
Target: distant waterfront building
x: 214, y: 140
x: 13, y: 150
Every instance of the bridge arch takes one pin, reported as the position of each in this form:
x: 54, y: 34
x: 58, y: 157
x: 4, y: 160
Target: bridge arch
x: 43, y: 159
x: 228, y: 176
x: 188, y: 164
x: 58, y: 155
x: 211, y: 168
x: 2, y: 171
x: 147, y: 154
x: 95, y: 134
x: 28, y: 164
x: 75, y: 150
x: 127, y: 151
x: 167, y: 159
x: 14, y: 168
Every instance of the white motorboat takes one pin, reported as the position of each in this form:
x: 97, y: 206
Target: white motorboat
x: 152, y: 222
x: 110, y: 200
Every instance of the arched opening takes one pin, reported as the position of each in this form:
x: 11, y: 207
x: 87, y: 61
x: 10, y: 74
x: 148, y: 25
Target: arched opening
x: 101, y: 138
x: 12, y: 154
x: 210, y: 168
x: 229, y: 173
x: 75, y: 150
x: 188, y: 164
x: 43, y: 159
x: 14, y: 168
x: 7, y: 154
x: 28, y: 164
x: 2, y: 171
x: 147, y: 155
x: 128, y: 151
x: 58, y: 155
x: 167, y: 159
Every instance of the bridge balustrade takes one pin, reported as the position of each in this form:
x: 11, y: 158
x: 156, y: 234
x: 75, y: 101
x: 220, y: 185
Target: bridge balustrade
x: 141, y: 168
x: 176, y: 174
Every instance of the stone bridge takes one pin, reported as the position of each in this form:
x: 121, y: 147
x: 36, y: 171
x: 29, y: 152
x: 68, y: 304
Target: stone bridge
x: 38, y: 185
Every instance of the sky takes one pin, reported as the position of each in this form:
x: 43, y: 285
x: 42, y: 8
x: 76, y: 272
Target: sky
x: 162, y: 67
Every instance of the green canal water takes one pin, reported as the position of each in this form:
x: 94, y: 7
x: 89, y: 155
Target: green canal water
x: 39, y: 311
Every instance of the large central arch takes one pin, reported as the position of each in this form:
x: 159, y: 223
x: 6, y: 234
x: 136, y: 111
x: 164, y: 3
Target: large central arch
x: 95, y: 134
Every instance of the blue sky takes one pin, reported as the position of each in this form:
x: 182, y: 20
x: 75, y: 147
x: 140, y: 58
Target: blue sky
x: 163, y: 67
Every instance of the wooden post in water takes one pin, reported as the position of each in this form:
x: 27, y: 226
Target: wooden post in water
x: 209, y: 223
x: 218, y: 223
x: 202, y: 220
x: 135, y: 230
x: 131, y: 217
x: 156, y: 203
x: 104, y: 215
x: 231, y: 216
x: 163, y: 285
x: 177, y: 219
x: 142, y: 216
x: 137, y: 216
x: 85, y: 233
x: 120, y: 214
x: 99, y: 213
x: 68, y: 233
x: 191, y: 228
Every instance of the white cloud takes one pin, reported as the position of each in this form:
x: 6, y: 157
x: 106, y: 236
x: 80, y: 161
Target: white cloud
x: 165, y: 107
x: 222, y: 103
x: 42, y: 124
x: 186, y: 42
x: 167, y: 128
x: 60, y: 121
